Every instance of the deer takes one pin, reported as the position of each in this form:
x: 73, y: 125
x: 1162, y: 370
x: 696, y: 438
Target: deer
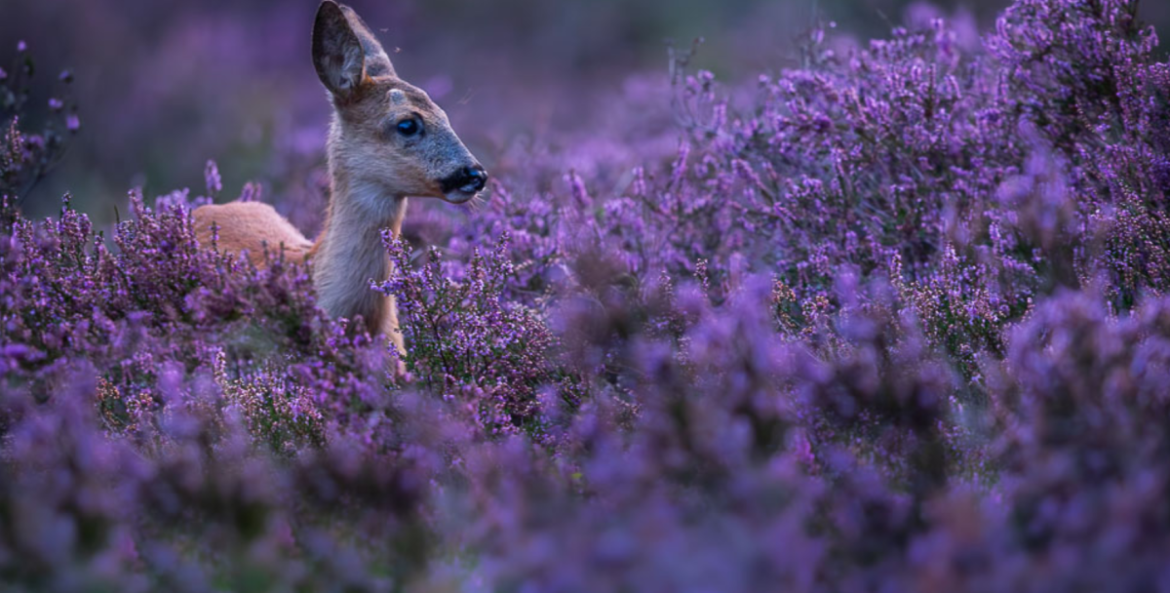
x: 387, y: 141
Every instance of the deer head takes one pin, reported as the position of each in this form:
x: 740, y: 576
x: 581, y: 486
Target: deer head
x: 387, y: 135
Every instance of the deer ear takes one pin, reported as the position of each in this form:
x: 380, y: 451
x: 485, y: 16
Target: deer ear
x: 337, y: 51
x: 377, y: 62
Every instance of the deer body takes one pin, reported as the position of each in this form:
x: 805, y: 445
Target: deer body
x: 387, y: 140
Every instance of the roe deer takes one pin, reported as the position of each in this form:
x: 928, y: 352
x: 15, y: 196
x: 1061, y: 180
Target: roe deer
x: 387, y: 140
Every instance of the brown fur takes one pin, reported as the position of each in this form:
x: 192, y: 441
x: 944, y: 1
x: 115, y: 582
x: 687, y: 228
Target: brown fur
x: 372, y: 168
x: 252, y: 227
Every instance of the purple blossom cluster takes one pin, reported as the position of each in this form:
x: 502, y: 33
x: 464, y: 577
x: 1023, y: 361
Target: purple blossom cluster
x: 891, y: 320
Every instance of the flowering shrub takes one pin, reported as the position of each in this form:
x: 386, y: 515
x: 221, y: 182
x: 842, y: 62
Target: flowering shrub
x: 465, y: 341
x: 26, y: 158
x: 892, y: 320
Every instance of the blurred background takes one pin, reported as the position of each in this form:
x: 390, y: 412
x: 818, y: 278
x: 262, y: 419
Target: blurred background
x: 165, y: 86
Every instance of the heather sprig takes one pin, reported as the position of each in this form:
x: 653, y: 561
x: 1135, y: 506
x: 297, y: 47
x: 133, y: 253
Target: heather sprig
x: 26, y: 157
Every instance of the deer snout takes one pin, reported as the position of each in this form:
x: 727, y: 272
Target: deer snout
x: 468, y: 180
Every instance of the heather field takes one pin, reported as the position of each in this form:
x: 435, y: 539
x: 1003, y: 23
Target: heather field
x: 880, y: 315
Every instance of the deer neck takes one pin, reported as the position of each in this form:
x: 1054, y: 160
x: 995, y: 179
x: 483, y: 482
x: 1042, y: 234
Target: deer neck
x: 349, y: 255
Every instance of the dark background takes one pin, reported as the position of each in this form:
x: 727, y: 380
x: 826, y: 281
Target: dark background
x: 165, y: 85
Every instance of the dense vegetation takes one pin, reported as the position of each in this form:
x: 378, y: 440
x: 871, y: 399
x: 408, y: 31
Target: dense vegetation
x: 892, y: 320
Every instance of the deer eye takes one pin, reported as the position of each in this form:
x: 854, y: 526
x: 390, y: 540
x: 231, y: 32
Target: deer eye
x: 408, y: 127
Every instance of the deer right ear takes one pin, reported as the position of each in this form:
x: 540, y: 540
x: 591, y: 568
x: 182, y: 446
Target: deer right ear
x: 337, y: 51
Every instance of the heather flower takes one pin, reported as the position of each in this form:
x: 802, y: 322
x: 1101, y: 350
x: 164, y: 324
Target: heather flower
x: 27, y: 156
x: 212, y: 178
x: 280, y: 416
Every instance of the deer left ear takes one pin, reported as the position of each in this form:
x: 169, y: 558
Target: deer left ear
x: 337, y: 52
x: 377, y: 62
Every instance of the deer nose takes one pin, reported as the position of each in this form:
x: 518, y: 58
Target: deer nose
x: 474, y: 177
x: 468, y: 180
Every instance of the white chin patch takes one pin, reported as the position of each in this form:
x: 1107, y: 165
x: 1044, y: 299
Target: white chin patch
x: 459, y: 196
